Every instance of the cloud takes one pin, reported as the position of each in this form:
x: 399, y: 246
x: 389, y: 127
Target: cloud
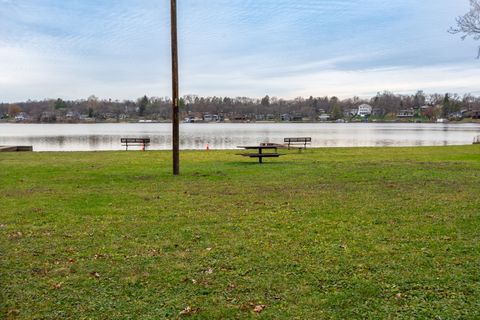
x: 120, y: 49
x: 343, y: 83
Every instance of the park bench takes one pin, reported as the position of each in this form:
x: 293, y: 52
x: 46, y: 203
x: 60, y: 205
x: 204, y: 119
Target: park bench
x: 143, y: 142
x: 298, y: 141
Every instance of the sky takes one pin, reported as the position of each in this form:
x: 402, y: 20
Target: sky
x: 120, y: 49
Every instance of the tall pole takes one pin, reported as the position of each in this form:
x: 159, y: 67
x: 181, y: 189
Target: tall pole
x: 175, y: 99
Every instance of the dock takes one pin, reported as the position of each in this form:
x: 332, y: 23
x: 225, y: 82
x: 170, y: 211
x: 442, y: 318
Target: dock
x: 15, y: 148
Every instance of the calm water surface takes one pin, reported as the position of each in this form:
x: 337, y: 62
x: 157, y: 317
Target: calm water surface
x: 96, y: 137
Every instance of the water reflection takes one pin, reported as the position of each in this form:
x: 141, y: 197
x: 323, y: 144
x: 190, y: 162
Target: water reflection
x: 95, y: 137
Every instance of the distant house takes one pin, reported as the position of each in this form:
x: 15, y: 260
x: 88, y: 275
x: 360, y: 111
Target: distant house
x: 364, y: 110
x: 455, y: 116
x: 208, y: 117
x: 285, y: 117
x: 240, y: 118
x: 379, y: 112
x: 192, y: 119
x: 408, y: 113
x: 425, y: 108
x: 475, y: 114
x: 350, y: 112
x: 71, y: 115
x: 48, y: 116
x: 22, y: 116
x: 324, y: 117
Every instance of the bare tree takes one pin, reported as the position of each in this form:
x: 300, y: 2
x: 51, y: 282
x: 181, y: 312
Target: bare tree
x: 469, y: 24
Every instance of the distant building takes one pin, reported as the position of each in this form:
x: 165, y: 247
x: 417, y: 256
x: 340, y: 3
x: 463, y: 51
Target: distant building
x: 22, y: 116
x: 455, y: 116
x: 409, y: 113
x: 240, y: 118
x: 350, y: 112
x: 364, y: 110
x: 207, y: 117
x: 48, y: 116
x: 378, y: 112
x: 71, y: 115
x: 324, y: 117
x: 425, y: 108
x: 475, y: 114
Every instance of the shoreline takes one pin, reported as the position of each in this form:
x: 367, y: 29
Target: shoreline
x: 291, y: 151
x: 253, y: 122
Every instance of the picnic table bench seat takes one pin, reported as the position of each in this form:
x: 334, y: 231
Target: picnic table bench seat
x: 260, y: 154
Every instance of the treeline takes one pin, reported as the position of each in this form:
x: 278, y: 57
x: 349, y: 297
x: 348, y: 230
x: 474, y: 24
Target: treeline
x: 385, y: 104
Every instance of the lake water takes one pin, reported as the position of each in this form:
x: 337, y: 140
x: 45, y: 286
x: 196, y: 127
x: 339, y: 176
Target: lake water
x: 96, y: 137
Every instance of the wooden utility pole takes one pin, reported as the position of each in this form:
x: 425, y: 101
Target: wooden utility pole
x: 175, y: 98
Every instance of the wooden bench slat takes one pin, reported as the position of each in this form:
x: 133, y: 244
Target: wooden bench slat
x: 302, y: 139
x: 135, y: 140
x: 298, y: 140
x: 261, y: 155
x: 143, y: 142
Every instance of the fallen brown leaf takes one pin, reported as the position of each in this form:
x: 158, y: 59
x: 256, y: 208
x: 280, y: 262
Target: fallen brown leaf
x: 259, y: 308
x: 209, y: 271
x: 188, y: 311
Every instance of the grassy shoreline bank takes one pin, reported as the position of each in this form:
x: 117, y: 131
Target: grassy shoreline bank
x: 330, y: 233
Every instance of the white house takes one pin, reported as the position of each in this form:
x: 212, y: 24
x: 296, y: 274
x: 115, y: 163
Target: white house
x: 324, y: 117
x: 22, y: 116
x: 364, y: 110
x: 409, y: 113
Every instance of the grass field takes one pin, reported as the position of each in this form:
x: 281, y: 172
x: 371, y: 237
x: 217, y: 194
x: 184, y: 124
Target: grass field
x: 367, y: 233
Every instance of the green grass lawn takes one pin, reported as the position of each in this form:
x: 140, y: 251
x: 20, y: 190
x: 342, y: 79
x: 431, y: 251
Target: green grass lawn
x: 366, y: 233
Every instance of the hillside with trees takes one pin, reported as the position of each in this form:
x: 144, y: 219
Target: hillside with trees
x: 385, y: 106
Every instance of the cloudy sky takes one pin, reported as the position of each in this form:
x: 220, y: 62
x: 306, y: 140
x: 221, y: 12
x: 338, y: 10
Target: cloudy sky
x: 119, y: 49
